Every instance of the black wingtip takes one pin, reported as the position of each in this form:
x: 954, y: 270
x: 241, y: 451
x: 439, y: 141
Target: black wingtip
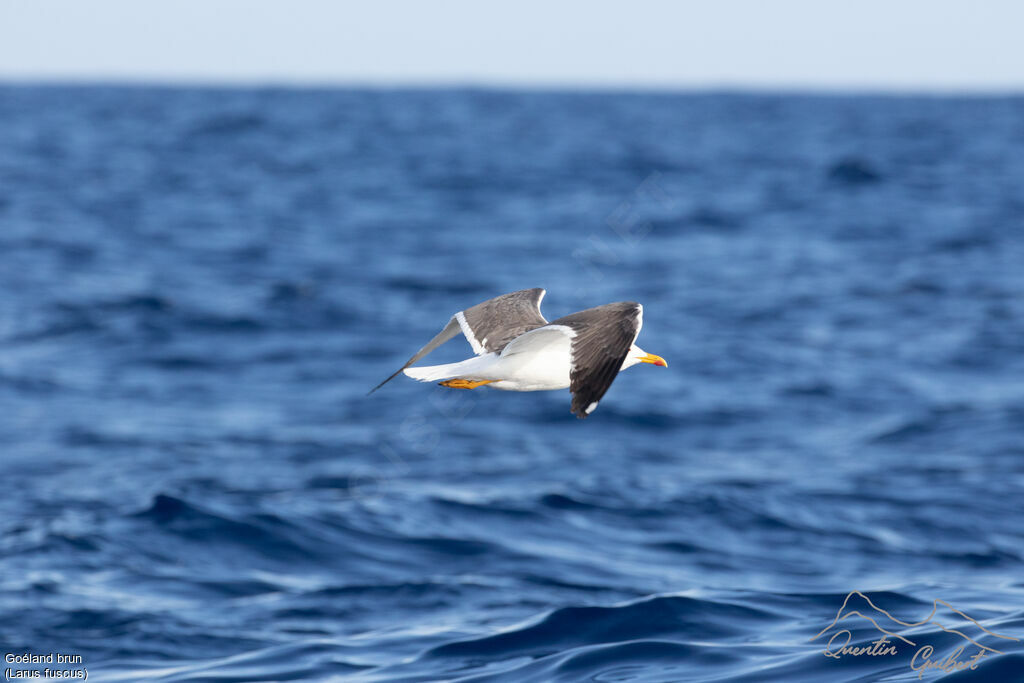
x: 397, y: 372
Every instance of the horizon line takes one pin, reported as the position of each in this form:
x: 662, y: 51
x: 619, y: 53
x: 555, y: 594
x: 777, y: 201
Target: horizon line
x: 515, y: 85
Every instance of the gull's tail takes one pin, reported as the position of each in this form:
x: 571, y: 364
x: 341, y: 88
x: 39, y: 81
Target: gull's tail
x: 471, y: 368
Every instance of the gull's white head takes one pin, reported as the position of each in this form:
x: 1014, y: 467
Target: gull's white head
x: 638, y: 355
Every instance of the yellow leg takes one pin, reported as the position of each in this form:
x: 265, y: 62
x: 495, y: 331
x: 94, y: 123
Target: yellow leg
x: 465, y: 383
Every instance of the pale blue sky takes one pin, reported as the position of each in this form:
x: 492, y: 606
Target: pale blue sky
x: 868, y: 44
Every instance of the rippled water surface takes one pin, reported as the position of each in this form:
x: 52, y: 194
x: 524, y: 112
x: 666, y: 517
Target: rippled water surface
x: 198, y: 287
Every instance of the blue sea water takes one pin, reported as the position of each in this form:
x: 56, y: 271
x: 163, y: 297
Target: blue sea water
x: 199, y: 286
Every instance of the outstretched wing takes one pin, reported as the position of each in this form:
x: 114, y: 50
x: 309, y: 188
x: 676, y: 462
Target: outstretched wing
x: 603, y: 337
x: 488, y: 326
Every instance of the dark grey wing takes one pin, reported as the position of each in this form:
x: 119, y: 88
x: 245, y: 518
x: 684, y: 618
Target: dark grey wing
x: 488, y: 326
x: 603, y: 337
x: 491, y: 325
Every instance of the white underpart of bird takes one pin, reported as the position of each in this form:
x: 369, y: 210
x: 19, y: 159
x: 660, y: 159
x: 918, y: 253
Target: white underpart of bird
x: 518, y: 350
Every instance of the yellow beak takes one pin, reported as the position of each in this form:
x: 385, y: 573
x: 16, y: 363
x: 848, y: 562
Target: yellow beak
x: 653, y: 360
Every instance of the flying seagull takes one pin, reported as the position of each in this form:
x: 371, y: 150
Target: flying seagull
x: 518, y: 350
